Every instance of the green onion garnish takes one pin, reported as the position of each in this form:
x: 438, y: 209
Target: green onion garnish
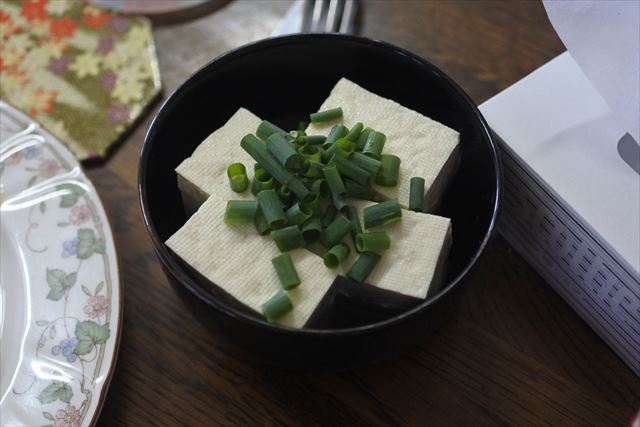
x: 312, y: 169
x: 271, y: 208
x: 339, y: 203
x: 240, y: 211
x: 334, y: 180
x: 367, y: 163
x: 310, y: 152
x: 336, y: 132
x: 277, y: 306
x: 336, y: 255
x: 286, y: 271
x: 262, y: 226
x: 335, y: 231
x: 363, y: 266
x: 358, y: 191
x: 416, y: 193
x: 356, y: 227
x: 237, y: 174
x: 266, y: 129
x: 285, y: 195
x: 325, y: 116
x: 350, y: 170
x: 321, y: 188
x: 362, y: 139
x: 390, y: 168
x: 260, y: 154
x: 297, y: 214
x: 355, y: 132
x: 288, y: 238
x: 284, y: 152
x: 311, y: 230
x: 377, y: 241
x: 374, y: 144
x: 315, y: 139
x: 302, y: 126
x: 329, y: 215
x: 312, y: 202
x: 342, y: 148
x: 262, y: 180
x: 382, y: 213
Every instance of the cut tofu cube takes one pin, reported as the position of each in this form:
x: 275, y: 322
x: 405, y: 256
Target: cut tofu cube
x: 238, y: 260
x: 414, y: 264
x: 205, y: 171
x: 426, y: 148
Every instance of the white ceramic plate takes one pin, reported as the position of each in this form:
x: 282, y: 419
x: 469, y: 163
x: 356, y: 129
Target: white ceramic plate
x: 60, y: 296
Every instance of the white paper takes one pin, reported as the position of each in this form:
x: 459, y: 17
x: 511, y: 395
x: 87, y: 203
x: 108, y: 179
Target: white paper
x: 603, y: 37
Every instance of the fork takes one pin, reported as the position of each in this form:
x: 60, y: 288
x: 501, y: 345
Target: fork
x: 329, y: 16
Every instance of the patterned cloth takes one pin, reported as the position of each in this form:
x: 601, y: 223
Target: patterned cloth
x: 83, y: 72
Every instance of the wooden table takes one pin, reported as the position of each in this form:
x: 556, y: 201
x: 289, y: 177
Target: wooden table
x: 513, y: 351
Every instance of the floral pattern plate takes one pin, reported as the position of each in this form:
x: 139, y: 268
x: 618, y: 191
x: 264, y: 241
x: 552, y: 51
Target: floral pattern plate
x: 60, y: 296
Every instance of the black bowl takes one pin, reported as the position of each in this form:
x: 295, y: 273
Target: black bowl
x: 282, y: 80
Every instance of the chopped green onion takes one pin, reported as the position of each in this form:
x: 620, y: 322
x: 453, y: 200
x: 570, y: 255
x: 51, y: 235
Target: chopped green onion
x: 374, y: 145
x: 377, y: 241
x: 324, y: 155
x: 286, y: 271
x: 288, y: 238
x: 356, y: 227
x: 355, y: 132
x: 382, y: 213
x: 342, y: 148
x: 277, y: 306
x: 325, y: 116
x: 260, y: 154
x: 329, y: 215
x: 266, y: 129
x: 302, y: 126
x: 336, y: 132
x: 262, y: 180
x: 310, y: 152
x: 350, y: 170
x: 363, y: 266
x: 389, y: 169
x: 298, y: 188
x: 367, y: 163
x: 312, y: 203
x: 311, y: 230
x: 335, y: 231
x: 261, y: 222
x: 321, y: 188
x: 285, y: 195
x: 312, y: 169
x: 416, y: 193
x: 334, y: 181
x: 336, y: 255
x: 315, y: 139
x: 271, y: 208
x: 240, y: 211
x: 284, y: 152
x: 297, y: 214
x: 237, y: 174
x: 339, y: 203
x: 358, y: 191
x: 362, y: 139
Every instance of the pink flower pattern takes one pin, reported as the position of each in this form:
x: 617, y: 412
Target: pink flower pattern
x: 60, y: 65
x: 108, y: 80
x: 68, y: 417
x: 80, y: 214
x: 48, y: 168
x: 105, y: 45
x: 118, y: 113
x: 96, y: 306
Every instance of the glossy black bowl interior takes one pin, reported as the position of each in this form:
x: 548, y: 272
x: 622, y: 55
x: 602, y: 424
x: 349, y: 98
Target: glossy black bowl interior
x: 282, y: 80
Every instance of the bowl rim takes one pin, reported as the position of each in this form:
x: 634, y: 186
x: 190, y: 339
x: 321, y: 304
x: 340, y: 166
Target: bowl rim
x: 173, y: 267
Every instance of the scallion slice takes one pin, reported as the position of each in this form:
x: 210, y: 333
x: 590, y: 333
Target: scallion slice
x: 374, y: 144
x: 358, y: 191
x: 288, y: 238
x: 350, y: 170
x: 382, y: 213
x: 389, y: 169
x: 342, y: 148
x: 356, y: 227
x: 335, y: 231
x: 298, y: 213
x: 325, y: 116
x: 336, y: 132
x: 354, y: 132
x: 321, y: 188
x: 329, y: 215
x: 262, y: 226
x: 367, y: 163
x: 362, y: 139
x: 277, y: 306
x: 237, y: 174
x: 334, y: 180
x: 336, y: 255
x: 363, y: 266
x: 280, y: 148
x: 240, y: 211
x: 315, y: 139
x: 262, y: 180
x: 416, y: 193
x: 260, y: 154
x: 266, y: 129
x: 285, y: 195
x: 271, y: 208
x: 310, y: 152
x: 286, y: 271
x: 311, y: 230
x: 376, y: 241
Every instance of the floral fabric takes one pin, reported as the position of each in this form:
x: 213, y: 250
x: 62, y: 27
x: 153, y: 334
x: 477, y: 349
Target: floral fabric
x: 83, y: 72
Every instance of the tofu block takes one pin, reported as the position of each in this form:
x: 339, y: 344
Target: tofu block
x: 206, y: 170
x: 426, y: 148
x: 414, y: 264
x: 238, y: 260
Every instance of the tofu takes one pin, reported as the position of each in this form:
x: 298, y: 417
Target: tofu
x: 238, y: 260
x: 426, y: 148
x: 205, y: 171
x: 414, y: 264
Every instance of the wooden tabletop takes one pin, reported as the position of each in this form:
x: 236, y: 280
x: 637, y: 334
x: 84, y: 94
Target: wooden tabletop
x: 512, y: 353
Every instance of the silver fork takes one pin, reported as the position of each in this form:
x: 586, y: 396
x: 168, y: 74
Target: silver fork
x: 331, y: 16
